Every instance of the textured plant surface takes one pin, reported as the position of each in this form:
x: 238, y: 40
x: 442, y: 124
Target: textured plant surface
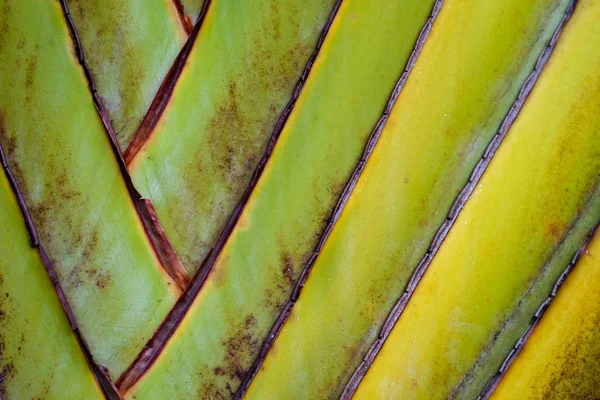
x: 299, y: 199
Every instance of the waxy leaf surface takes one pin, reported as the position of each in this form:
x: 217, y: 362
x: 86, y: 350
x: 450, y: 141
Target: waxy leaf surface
x: 40, y: 357
x: 239, y: 75
x: 129, y: 46
x: 463, y: 83
x: 561, y: 358
x: 531, y: 211
x: 62, y: 159
x: 363, y: 55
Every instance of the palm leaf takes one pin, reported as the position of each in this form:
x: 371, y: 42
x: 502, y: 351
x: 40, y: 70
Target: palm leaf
x: 337, y: 199
x: 64, y: 163
x: 491, y: 274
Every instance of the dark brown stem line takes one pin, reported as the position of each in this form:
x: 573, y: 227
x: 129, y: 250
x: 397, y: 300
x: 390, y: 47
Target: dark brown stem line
x: 493, y: 383
x: 370, y: 145
x: 458, y: 204
x: 158, y: 341
x: 163, y: 96
x: 187, y: 23
x: 100, y: 373
x: 161, y: 245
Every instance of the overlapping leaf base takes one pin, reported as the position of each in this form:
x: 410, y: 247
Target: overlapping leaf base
x: 341, y: 199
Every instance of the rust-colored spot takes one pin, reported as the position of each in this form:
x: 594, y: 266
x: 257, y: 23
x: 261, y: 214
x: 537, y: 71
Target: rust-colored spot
x: 218, y: 274
x: 577, y: 377
x: 239, y: 347
x: 276, y: 20
x: 5, y: 18
x: 101, y: 278
x: 554, y: 230
x: 7, y: 372
x: 208, y: 390
x: 288, y: 269
x: 31, y: 69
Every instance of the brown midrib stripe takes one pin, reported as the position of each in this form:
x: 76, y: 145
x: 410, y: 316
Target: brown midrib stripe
x: 163, y: 95
x: 455, y: 209
x: 370, y: 145
x: 186, y: 22
x: 157, y: 238
x: 158, y: 341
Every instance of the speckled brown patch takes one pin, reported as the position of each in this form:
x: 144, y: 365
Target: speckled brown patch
x: 5, y: 17
x: 208, y: 390
x: 31, y: 69
x: 243, y: 341
x: 578, y: 377
x: 288, y: 270
x: 7, y: 369
x: 101, y: 278
x: 237, y: 133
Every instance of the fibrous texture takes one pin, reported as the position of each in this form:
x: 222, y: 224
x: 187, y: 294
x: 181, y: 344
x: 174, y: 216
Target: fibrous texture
x: 63, y: 160
x: 300, y: 199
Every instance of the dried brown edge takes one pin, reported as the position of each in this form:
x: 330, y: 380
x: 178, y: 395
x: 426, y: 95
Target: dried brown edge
x: 155, y: 345
x: 162, y: 247
x: 370, y: 145
x: 458, y: 204
x: 186, y: 21
x: 163, y: 96
x: 493, y: 383
x: 100, y: 373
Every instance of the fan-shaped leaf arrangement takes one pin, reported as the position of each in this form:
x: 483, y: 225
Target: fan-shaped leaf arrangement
x: 299, y: 199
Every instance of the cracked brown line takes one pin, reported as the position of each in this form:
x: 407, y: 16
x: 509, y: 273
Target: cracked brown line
x: 158, y: 341
x: 493, y: 383
x: 161, y: 245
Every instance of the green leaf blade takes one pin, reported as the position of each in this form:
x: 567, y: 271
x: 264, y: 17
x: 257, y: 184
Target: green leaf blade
x: 284, y: 217
x: 63, y: 162
x: 239, y: 75
x: 463, y: 83
x: 129, y: 46
x: 530, y: 213
x: 39, y: 353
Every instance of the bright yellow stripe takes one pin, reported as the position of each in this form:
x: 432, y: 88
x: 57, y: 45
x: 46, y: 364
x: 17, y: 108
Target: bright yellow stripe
x: 561, y: 359
x: 528, y: 215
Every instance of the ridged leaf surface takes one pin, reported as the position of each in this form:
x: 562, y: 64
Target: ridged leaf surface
x: 130, y: 46
x: 530, y: 212
x: 463, y: 83
x: 62, y: 158
x: 363, y: 55
x: 239, y: 75
x: 561, y: 358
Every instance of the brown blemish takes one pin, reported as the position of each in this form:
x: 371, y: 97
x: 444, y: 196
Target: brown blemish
x: 236, y: 136
x: 31, y: 69
x: 6, y: 16
x: 244, y: 342
x: 208, y: 390
x: 101, y: 278
x: 580, y: 362
x: 142, y: 364
x: 7, y: 372
x: 288, y: 269
x: 555, y: 229
x: 124, y: 83
x: 219, y: 272
x: 276, y: 34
